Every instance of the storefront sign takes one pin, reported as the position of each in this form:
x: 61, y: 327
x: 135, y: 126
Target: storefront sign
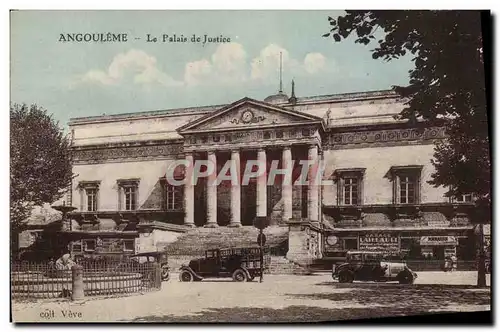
x: 439, y: 223
x: 376, y: 242
x: 438, y: 240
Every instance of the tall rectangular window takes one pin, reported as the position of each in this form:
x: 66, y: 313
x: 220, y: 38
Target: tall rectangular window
x: 350, y: 191
x: 173, y: 197
x: 407, y: 189
x: 406, y: 184
x: 128, y: 192
x: 89, y: 195
x: 349, y: 186
x: 91, y: 199
x: 130, y: 198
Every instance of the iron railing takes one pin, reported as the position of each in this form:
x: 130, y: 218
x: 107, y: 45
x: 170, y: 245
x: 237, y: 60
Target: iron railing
x: 42, y: 280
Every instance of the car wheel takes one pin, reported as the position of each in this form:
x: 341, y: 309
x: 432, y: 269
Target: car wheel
x: 186, y: 276
x: 405, y: 278
x: 346, y: 277
x: 240, y: 275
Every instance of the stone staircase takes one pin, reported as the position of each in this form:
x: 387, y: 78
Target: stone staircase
x: 193, y: 244
x: 197, y: 240
x: 281, y: 265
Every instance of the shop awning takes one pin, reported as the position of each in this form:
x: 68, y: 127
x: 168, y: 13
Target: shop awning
x: 101, y: 232
x: 401, y: 228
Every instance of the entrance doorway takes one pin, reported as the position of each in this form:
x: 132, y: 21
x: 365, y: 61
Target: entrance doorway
x: 200, y: 203
x: 248, y: 203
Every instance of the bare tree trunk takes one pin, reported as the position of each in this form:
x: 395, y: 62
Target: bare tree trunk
x: 481, y: 271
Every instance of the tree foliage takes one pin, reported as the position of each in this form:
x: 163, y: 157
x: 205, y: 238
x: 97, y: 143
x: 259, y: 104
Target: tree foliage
x: 447, y: 83
x: 40, y: 163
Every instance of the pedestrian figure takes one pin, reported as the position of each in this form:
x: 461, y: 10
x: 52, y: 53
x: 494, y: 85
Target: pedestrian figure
x: 454, y: 262
x: 64, y: 262
x: 447, y: 264
x: 63, y: 265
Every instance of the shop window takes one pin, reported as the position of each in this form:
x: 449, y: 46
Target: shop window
x: 128, y: 192
x: 351, y: 244
x: 89, y: 245
x: 76, y: 247
x: 349, y: 186
x: 427, y: 253
x: 111, y: 245
x: 411, y: 248
x: 89, y: 191
x: 406, y: 184
x: 129, y: 245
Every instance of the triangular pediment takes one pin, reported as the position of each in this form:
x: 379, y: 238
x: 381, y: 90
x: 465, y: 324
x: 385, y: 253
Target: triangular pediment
x: 248, y: 113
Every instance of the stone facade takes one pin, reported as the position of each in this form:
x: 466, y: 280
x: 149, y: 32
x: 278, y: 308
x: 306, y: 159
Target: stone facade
x: 355, y: 134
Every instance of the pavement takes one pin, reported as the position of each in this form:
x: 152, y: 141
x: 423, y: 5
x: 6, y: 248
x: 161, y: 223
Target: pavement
x: 280, y: 298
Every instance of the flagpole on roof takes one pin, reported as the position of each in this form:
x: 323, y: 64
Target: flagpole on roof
x: 281, y: 72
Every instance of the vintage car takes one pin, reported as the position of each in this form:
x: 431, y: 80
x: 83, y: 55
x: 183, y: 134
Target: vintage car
x: 160, y: 257
x: 373, y: 266
x: 241, y: 264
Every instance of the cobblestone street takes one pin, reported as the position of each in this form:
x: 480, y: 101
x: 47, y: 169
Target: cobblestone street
x: 280, y: 298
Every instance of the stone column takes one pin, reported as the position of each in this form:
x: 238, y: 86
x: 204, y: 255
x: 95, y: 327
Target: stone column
x: 321, y: 161
x: 262, y: 185
x: 235, y: 191
x: 286, y: 192
x: 189, y: 192
x: 212, y: 192
x: 312, y: 187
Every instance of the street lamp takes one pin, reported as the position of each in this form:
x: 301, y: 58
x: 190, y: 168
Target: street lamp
x: 260, y: 223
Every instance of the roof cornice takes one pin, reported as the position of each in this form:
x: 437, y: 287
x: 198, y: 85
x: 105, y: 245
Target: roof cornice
x: 201, y: 110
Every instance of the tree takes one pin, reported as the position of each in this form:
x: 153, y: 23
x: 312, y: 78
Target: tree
x: 446, y: 85
x: 40, y: 163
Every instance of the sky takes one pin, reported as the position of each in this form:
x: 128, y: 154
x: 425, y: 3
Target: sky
x: 75, y: 79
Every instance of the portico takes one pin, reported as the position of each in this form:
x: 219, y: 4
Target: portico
x: 259, y: 141
x: 367, y: 155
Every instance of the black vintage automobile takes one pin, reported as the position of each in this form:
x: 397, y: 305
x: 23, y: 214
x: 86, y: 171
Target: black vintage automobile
x: 373, y: 266
x: 241, y: 264
x: 160, y: 257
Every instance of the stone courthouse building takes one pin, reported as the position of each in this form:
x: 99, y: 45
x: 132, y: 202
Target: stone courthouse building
x: 374, y: 193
